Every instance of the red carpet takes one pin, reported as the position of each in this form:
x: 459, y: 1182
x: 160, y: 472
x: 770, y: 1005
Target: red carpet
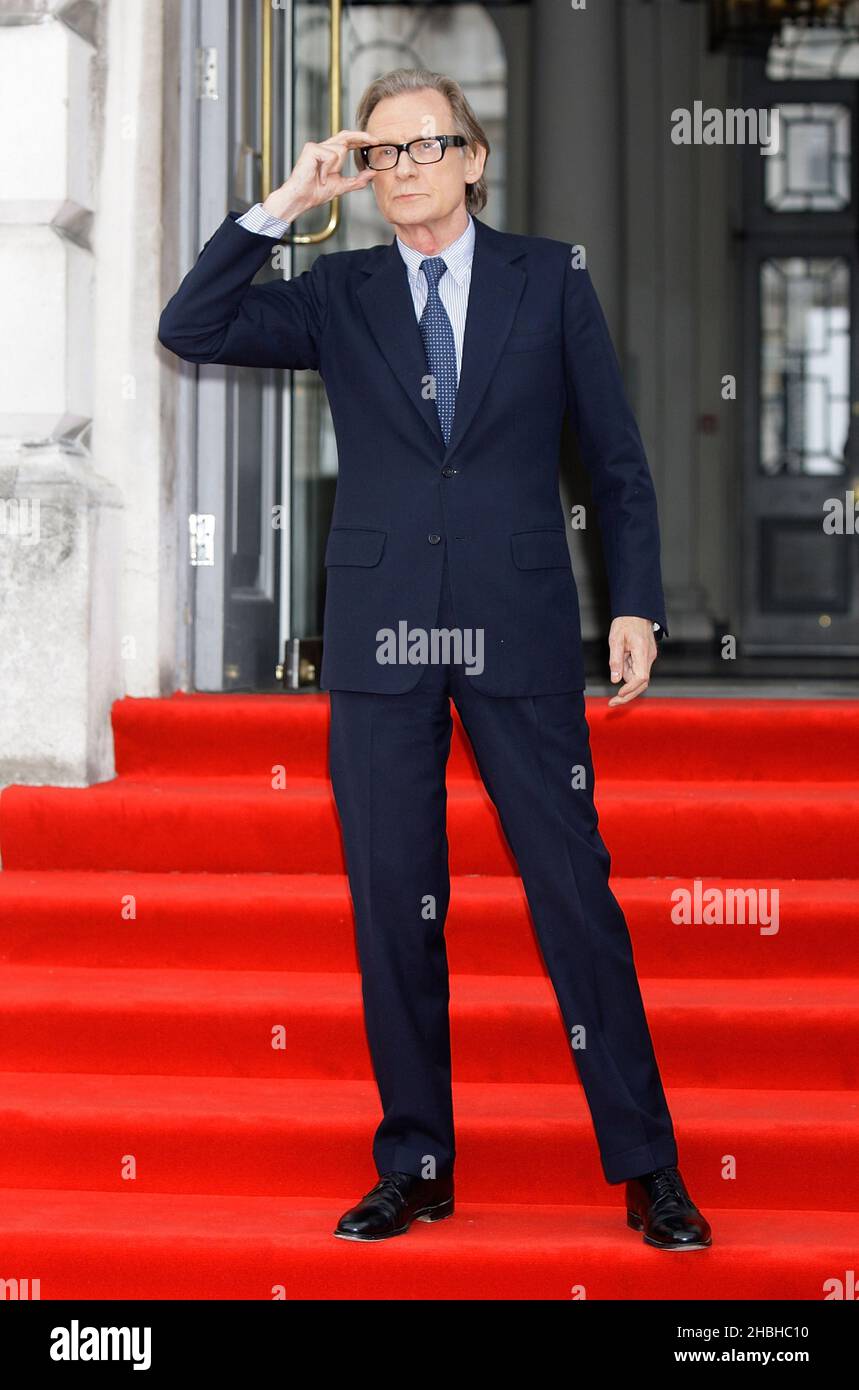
x: 150, y: 1035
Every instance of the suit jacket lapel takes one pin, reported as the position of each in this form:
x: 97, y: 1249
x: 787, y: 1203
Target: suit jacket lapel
x: 494, y: 293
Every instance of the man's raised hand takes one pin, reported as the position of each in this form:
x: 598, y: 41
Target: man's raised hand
x: 316, y: 177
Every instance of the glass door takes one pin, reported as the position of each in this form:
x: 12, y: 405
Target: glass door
x: 236, y: 548
x: 269, y: 76
x: 801, y: 290
x: 368, y: 40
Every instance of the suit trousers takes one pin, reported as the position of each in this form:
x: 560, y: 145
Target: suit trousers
x: 387, y: 760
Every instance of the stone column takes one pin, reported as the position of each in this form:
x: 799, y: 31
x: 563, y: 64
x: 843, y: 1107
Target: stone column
x: 87, y: 526
x: 59, y: 519
x: 576, y: 188
x: 653, y: 221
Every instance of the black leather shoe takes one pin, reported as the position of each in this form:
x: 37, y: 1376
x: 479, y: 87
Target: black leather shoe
x: 658, y: 1204
x: 390, y: 1207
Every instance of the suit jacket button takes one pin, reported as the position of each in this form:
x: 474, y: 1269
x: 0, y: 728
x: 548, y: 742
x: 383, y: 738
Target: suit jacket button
x: 448, y: 472
x: 433, y: 540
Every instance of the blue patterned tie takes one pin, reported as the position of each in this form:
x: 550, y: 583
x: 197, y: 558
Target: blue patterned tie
x: 439, y: 345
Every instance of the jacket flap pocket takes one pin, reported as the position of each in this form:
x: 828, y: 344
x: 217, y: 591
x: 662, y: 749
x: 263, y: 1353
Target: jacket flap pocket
x: 534, y: 550
x: 353, y: 545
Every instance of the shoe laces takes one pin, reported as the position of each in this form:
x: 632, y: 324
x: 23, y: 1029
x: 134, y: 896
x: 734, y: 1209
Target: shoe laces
x: 667, y: 1188
x: 388, y: 1187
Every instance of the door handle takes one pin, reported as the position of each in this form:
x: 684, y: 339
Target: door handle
x: 335, y: 114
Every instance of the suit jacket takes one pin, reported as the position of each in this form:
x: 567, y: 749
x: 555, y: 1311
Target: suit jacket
x: 536, y: 345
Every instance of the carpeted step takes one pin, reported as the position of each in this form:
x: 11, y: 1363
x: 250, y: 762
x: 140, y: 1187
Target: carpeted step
x: 652, y: 739
x: 305, y: 922
x: 241, y: 825
x: 90, y: 1245
x: 516, y: 1142
x: 781, y: 1033
x: 153, y: 1032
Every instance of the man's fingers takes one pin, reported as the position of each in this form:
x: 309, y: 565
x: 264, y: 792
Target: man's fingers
x: 331, y: 159
x: 626, y: 653
x: 632, y: 651
x: 637, y: 655
x: 348, y: 183
x: 346, y: 139
x: 629, y: 691
x: 615, y: 657
x: 357, y: 180
x: 629, y: 657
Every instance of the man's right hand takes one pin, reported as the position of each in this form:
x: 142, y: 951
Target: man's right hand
x: 316, y: 177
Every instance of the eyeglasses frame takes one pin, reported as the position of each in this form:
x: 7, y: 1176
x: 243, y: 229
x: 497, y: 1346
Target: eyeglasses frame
x: 444, y: 140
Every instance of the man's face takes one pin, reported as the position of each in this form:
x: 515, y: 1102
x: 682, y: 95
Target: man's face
x: 420, y: 193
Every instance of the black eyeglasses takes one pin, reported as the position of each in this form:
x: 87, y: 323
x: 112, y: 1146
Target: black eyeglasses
x: 421, y: 151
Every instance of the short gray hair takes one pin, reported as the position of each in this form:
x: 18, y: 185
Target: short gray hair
x: 399, y: 80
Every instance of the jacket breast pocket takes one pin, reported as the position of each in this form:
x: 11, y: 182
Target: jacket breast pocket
x: 532, y: 342
x: 354, y: 545
x: 537, y: 550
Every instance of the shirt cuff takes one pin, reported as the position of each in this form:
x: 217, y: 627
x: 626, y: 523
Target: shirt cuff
x: 256, y: 219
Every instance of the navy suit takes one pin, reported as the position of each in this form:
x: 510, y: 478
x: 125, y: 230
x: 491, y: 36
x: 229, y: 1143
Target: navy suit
x: 468, y: 536
x: 536, y: 345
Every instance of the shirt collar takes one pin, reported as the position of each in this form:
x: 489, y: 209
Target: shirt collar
x: 457, y: 257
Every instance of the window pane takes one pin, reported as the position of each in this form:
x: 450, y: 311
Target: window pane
x: 805, y: 365
x: 811, y: 170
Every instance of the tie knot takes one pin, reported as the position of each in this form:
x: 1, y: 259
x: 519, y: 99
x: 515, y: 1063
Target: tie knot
x: 433, y: 270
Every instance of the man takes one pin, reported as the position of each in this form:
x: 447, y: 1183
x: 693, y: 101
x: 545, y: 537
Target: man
x: 450, y: 356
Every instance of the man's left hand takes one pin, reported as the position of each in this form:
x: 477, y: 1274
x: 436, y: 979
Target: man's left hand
x: 632, y: 651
